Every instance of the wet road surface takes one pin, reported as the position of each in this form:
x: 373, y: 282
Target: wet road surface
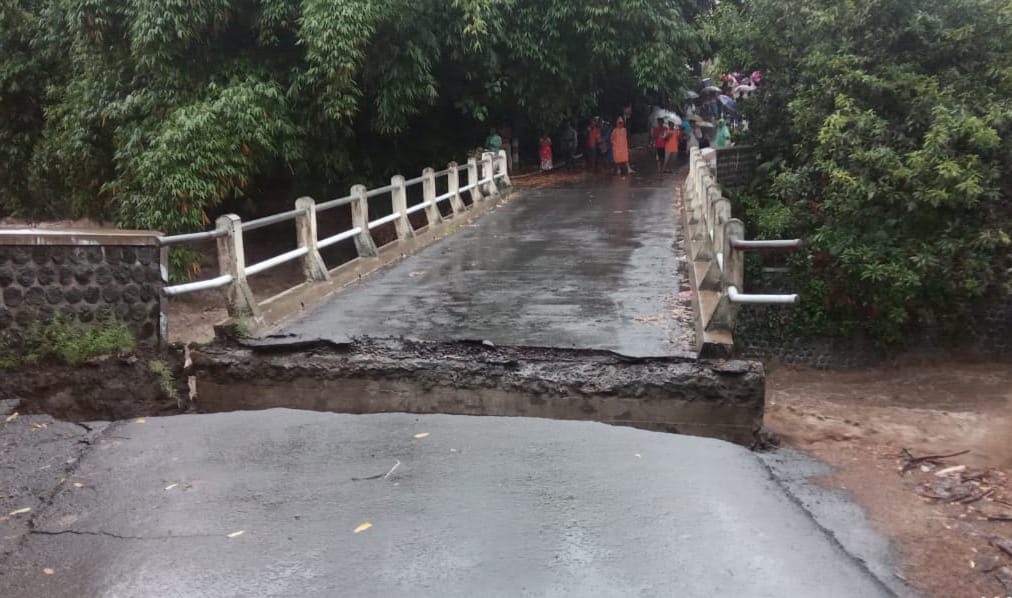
x: 475, y: 507
x: 593, y: 266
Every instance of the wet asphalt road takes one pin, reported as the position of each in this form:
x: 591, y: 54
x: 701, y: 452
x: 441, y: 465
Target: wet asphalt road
x: 479, y: 507
x: 592, y: 267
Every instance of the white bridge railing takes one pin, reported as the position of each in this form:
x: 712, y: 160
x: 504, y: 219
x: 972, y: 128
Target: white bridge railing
x: 482, y: 178
x: 717, y: 245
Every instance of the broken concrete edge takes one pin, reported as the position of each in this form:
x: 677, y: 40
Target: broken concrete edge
x: 711, y: 344
x: 715, y: 398
x: 276, y: 310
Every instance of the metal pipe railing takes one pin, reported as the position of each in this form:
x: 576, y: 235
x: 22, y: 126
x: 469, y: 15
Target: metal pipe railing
x: 190, y: 237
x: 230, y: 229
x: 385, y: 219
x: 753, y: 299
x: 348, y: 234
x: 269, y: 220
x: 267, y: 264
x: 199, y: 285
x: 335, y: 203
x: 766, y: 245
x: 379, y: 191
x: 418, y: 207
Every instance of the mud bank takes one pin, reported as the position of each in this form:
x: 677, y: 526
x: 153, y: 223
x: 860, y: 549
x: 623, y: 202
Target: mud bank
x: 107, y: 389
x: 722, y: 399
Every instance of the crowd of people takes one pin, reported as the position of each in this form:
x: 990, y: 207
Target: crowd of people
x: 705, y: 119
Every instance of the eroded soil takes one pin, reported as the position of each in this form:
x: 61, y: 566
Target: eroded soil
x: 945, y: 526
x: 104, y: 389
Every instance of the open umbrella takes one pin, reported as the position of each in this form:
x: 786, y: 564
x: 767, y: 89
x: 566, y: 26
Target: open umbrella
x: 728, y: 103
x: 706, y: 124
x: 690, y: 95
x: 712, y: 89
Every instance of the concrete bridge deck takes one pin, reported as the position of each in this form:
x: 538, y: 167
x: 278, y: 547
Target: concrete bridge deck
x: 593, y: 265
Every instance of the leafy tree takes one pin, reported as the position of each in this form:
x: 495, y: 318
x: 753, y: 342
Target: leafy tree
x: 154, y: 112
x: 885, y: 129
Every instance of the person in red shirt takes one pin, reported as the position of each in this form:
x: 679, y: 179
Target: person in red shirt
x: 660, y: 134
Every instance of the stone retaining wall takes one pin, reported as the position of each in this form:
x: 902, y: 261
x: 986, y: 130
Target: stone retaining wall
x: 90, y: 276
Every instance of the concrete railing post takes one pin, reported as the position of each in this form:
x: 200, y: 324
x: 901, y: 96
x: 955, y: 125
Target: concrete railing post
x: 488, y: 172
x: 399, y: 200
x: 472, y: 180
x: 429, y: 197
x: 504, y: 167
x: 360, y: 219
x: 453, y: 186
x: 726, y: 311
x: 232, y: 261
x: 313, y: 266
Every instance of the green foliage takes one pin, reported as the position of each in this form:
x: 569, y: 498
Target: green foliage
x: 886, y: 129
x: 153, y: 113
x: 166, y: 381
x: 65, y: 341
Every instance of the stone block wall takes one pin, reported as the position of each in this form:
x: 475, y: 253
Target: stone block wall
x: 88, y: 276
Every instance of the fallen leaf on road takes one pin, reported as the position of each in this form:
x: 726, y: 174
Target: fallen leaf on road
x: 140, y: 420
x: 362, y: 527
x: 48, y: 571
x: 638, y: 456
x: 171, y: 486
x: 415, y: 274
x: 38, y: 426
x: 421, y: 435
x: 11, y: 417
x: 78, y: 485
x: 20, y: 511
x: 237, y: 534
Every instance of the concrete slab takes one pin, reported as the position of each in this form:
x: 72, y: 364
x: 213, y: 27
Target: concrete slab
x: 476, y: 507
x: 590, y: 267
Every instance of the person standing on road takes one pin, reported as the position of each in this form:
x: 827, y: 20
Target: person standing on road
x: 569, y: 144
x: 670, y: 146
x: 606, y: 143
x: 620, y: 147
x: 593, y: 143
x: 659, y: 133
x: 545, y: 152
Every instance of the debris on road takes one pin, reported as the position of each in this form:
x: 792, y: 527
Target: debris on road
x: 362, y: 527
x: 912, y: 461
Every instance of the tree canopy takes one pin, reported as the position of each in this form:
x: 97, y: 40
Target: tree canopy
x: 151, y: 112
x: 885, y: 126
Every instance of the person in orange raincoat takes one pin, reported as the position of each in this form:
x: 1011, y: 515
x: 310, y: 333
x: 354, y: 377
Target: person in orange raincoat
x: 620, y: 147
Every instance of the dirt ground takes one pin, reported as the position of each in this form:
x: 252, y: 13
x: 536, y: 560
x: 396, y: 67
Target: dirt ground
x: 869, y: 424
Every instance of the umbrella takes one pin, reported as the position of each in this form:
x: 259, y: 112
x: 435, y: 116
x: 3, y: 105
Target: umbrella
x: 690, y: 95
x: 712, y: 89
x: 706, y: 125
x: 728, y: 103
x: 696, y: 118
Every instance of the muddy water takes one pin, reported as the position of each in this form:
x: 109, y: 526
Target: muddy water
x: 927, y: 408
